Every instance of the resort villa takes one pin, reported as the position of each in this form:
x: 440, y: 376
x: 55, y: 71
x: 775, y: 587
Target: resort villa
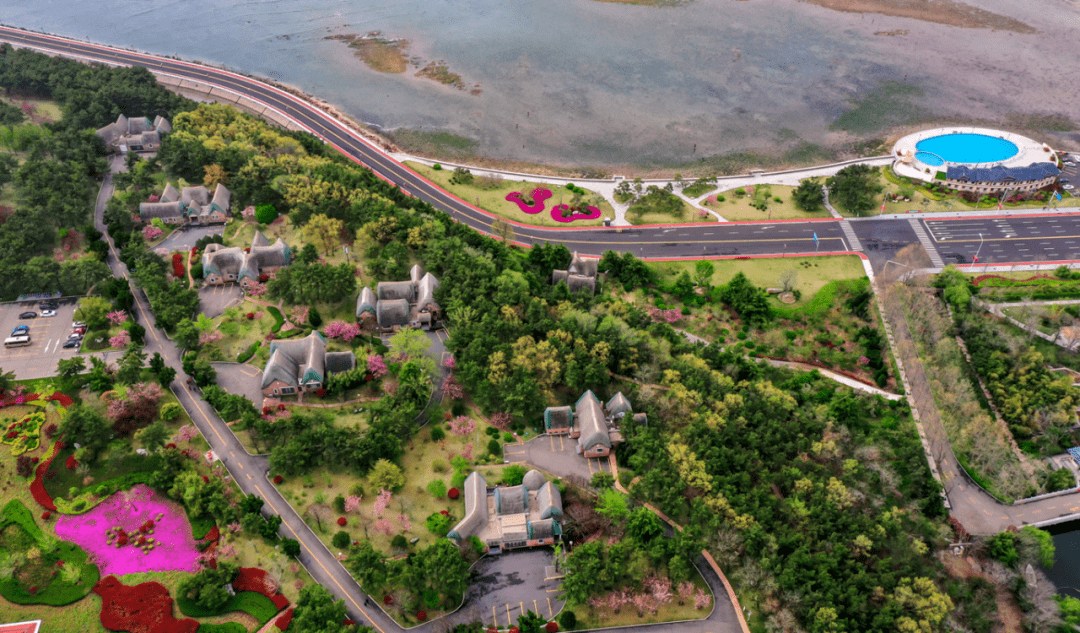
x: 579, y: 275
x: 510, y: 517
x: 191, y: 205
x: 245, y: 266
x: 976, y: 161
x: 302, y: 365
x: 595, y: 427
x: 137, y: 134
x: 397, y: 304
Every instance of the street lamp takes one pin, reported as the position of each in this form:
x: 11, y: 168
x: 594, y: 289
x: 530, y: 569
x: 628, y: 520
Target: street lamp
x: 977, y: 250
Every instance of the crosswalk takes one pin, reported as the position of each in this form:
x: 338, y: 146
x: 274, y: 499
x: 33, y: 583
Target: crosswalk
x: 849, y: 233
x: 927, y: 243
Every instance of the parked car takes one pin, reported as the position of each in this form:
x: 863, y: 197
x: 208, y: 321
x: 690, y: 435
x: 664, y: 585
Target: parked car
x: 78, y: 330
x: 49, y: 305
x: 72, y: 343
x: 28, y: 315
x: 1063, y: 180
x: 48, y: 313
x: 78, y: 324
x: 1069, y: 163
x: 74, y: 336
x: 1069, y: 187
x: 22, y: 329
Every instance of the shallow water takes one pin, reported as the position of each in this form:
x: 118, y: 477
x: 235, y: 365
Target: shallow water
x: 583, y: 82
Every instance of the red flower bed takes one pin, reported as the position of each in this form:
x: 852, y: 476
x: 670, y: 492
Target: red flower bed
x: 280, y: 601
x: 453, y: 493
x: 145, y: 608
x: 551, y: 627
x: 254, y: 579
x: 177, y: 265
x: 71, y: 462
x: 281, y: 406
x: 170, y: 445
x: 388, y: 600
x: 284, y: 620
x: 421, y: 615
x: 214, y: 534
x: 37, y: 487
x: 46, y: 515
x: 342, y: 521
x: 278, y: 479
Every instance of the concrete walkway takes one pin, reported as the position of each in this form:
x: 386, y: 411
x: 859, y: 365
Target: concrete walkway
x: 858, y: 385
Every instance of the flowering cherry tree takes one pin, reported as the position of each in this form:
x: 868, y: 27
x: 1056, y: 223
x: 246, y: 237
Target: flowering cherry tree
x: 117, y: 317
x: 453, y: 388
x: 449, y: 362
x: 701, y: 599
x: 120, y: 340
x: 212, y: 336
x: 256, y: 289
x: 352, y: 503
x: 403, y: 519
x: 341, y: 329
x: 377, y: 366
x: 151, y: 232
x: 382, y: 501
x: 382, y: 525
x: 501, y: 420
x: 462, y: 425
x: 186, y: 433
x: 669, y: 316
x: 686, y: 592
x: 299, y: 315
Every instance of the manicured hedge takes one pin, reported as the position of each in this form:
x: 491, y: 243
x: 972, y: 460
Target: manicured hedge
x: 228, y: 627
x: 294, y: 333
x: 200, y: 525
x: 255, y: 604
x: 278, y: 319
x: 243, y: 356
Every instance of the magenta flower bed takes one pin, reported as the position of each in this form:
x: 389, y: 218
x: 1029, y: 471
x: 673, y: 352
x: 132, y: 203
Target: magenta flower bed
x: 558, y: 214
x: 174, y: 548
x: 538, y: 195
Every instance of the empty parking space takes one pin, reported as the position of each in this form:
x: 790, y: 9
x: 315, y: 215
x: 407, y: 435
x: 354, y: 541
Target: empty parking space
x: 513, y: 583
x: 47, y: 337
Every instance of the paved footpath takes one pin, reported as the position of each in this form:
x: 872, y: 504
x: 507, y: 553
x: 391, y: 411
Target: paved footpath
x: 250, y: 473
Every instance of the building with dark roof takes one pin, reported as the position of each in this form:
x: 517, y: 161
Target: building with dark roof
x: 593, y: 425
x: 398, y: 304
x: 510, y: 517
x: 192, y: 205
x: 999, y: 179
x: 580, y: 275
x: 301, y: 365
x: 137, y: 134
x: 232, y: 264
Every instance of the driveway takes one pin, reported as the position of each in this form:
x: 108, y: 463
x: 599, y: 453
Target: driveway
x: 240, y: 379
x: 47, y: 337
x: 214, y: 300
x: 183, y: 239
x: 505, y: 586
x: 557, y: 455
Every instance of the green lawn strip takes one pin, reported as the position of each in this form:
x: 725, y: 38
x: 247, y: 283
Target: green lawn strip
x: 254, y: 604
x: 225, y: 627
x: 279, y: 320
x: 736, y: 208
x: 55, y: 590
x: 493, y: 199
x: 813, y: 272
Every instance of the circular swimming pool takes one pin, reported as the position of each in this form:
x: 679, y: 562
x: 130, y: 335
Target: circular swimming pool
x: 964, y: 148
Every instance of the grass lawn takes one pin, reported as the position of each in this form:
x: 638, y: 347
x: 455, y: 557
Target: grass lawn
x: 44, y: 110
x: 240, y: 332
x: 690, y: 215
x: 628, y: 615
x: 98, y: 340
x: 493, y: 198
x: 813, y: 272
x: 736, y: 208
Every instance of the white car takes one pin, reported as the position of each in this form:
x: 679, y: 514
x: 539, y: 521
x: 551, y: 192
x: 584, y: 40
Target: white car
x: 1069, y: 163
x: 48, y: 313
x: 1068, y: 187
x: 78, y: 324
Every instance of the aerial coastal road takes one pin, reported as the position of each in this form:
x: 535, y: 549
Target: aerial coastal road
x: 878, y: 237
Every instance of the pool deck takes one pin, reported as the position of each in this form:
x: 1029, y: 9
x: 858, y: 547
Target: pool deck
x: 906, y: 164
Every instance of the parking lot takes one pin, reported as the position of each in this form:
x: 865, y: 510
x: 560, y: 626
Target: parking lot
x: 508, y: 585
x: 1072, y: 174
x: 556, y: 454
x: 214, y: 300
x: 47, y: 336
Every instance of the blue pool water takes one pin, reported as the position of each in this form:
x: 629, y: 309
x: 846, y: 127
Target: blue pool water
x: 964, y: 148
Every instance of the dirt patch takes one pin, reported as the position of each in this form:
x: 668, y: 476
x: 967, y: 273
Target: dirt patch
x: 439, y: 72
x: 1007, y: 610
x: 382, y: 55
x: 892, y: 32
x: 947, y: 12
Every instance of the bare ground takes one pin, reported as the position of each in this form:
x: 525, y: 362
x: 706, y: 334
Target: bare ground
x: 1007, y: 609
x: 947, y: 12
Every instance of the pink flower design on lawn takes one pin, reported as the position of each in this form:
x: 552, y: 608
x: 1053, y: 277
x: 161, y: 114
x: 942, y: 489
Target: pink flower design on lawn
x: 538, y: 195
x: 562, y: 213
x: 174, y: 546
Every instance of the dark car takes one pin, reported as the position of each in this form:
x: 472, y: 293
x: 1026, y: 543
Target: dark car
x: 28, y: 315
x: 71, y: 344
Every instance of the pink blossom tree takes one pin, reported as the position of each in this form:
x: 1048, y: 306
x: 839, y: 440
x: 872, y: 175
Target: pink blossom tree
x: 377, y: 366
x: 701, y: 599
x: 462, y: 425
x: 120, y: 340
x: 256, y: 289
x: 342, y: 330
x: 227, y: 551
x: 642, y: 602
x: 299, y: 315
x: 234, y: 527
x: 501, y: 420
x: 449, y: 362
x: 151, y: 232
x: 186, y: 433
x: 352, y: 503
x: 382, y: 501
x: 403, y: 519
x: 213, y: 336
x: 659, y: 588
x: 686, y: 592
x: 383, y: 525
x: 453, y: 388
x: 117, y: 317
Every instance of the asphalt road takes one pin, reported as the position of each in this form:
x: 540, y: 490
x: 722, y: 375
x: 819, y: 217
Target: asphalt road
x: 729, y: 239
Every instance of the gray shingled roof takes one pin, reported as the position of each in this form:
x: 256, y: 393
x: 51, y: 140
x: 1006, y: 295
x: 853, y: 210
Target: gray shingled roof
x: 365, y: 302
x: 275, y: 255
x: 618, y: 405
x: 533, y: 480
x: 415, y: 273
x: 998, y: 173
x: 543, y: 529
x: 170, y: 194
x: 221, y: 199
x: 162, y: 124
x: 337, y: 362
x: 151, y: 210
x: 590, y: 418
x: 392, y: 312
x: 296, y: 362
x: 558, y: 417
x: 549, y: 502
x: 259, y: 240
x: 581, y: 266
x: 558, y: 275
x: 199, y: 195
x: 511, y: 500
x: 396, y: 290
x: 221, y: 260
x: 476, y: 508
x: 581, y: 283
x: 138, y: 125
x: 426, y: 293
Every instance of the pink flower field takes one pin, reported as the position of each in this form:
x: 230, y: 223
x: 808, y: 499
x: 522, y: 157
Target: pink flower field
x: 167, y: 546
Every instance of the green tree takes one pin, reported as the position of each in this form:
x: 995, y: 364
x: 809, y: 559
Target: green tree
x: 1002, y: 546
x: 749, y: 301
x: 854, y: 188
x: 265, y: 213
x: 341, y: 539
x: 613, y: 505
x: 582, y: 574
x: 200, y: 496
x: 67, y: 368
x: 442, y: 568
x: 154, y: 436
x: 513, y: 474
x: 131, y: 365
x: 602, y: 480
x: 207, y: 588
x: 437, y: 488
x: 1038, y: 545
x: 703, y: 272
x: 367, y: 565
x: 88, y: 428
x: 92, y: 311
x: 386, y: 475
x: 318, y: 612
x: 186, y: 334
x: 529, y: 622
x: 324, y: 232
x: 809, y: 196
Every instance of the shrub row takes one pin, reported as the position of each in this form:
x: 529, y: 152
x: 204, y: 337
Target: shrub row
x: 243, y: 356
x: 279, y: 320
x: 255, y: 604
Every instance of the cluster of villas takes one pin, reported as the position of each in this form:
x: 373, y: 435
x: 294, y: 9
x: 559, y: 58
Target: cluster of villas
x: 188, y: 206
x: 398, y: 304
x: 137, y: 134
x: 595, y: 426
x: 510, y: 517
